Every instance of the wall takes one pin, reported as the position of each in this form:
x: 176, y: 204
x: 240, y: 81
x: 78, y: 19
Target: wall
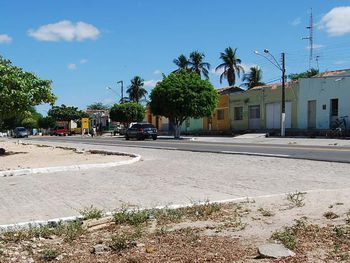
x: 216, y: 124
x: 192, y: 125
x: 262, y: 96
x: 323, y: 90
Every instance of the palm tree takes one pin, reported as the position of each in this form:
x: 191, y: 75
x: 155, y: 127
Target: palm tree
x: 136, y: 90
x: 182, y: 62
x: 230, y: 66
x: 198, y: 65
x: 253, y: 78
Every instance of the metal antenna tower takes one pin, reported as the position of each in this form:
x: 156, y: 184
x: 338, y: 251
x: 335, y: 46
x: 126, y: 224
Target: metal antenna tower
x: 310, y: 38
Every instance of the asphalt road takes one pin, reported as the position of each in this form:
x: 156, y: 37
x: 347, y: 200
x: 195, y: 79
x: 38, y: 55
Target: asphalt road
x: 316, y: 153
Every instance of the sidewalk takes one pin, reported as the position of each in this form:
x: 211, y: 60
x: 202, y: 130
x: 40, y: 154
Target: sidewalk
x: 275, y: 140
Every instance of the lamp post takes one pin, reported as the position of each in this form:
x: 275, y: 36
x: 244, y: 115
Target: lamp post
x: 282, y: 68
x: 122, y: 90
x: 109, y: 88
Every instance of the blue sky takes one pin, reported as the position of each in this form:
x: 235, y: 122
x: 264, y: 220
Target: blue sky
x: 84, y: 46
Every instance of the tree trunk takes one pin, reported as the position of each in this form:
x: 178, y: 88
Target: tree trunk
x: 177, y: 131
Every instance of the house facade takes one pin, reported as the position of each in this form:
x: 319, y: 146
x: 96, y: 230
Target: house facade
x: 322, y: 99
x: 259, y: 108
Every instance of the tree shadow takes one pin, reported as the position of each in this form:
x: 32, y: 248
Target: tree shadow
x: 11, y: 153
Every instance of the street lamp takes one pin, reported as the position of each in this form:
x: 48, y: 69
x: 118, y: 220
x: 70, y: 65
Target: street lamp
x: 282, y: 68
x: 122, y: 89
x: 112, y: 90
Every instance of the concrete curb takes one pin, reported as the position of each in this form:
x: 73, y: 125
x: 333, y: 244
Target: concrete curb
x: 54, y: 222
x: 70, y: 168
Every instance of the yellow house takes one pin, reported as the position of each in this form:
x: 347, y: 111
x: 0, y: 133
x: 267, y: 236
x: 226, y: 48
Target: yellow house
x: 220, y: 120
x: 160, y: 122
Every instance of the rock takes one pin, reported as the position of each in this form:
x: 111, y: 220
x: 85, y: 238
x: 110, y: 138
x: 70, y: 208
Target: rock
x: 2, y: 151
x: 99, y: 249
x: 274, y: 251
x: 60, y: 257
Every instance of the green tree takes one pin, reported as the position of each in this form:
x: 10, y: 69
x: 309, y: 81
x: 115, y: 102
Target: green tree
x: 20, y: 90
x: 182, y: 62
x: 127, y: 112
x: 46, y: 122
x: 198, y: 65
x: 230, y: 66
x: 183, y: 95
x: 253, y: 78
x: 306, y: 74
x: 97, y: 106
x: 66, y: 113
x: 136, y: 90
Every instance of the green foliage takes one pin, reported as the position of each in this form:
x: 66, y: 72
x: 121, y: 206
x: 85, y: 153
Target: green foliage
x: 132, y: 217
x: 136, y: 90
x: 46, y: 122
x: 287, y: 237
x: 91, y: 213
x: 183, y: 95
x: 66, y: 113
x: 97, y: 106
x: 127, y: 112
x: 20, y: 90
x: 253, y: 78
x: 231, y: 66
x: 182, y: 62
x: 49, y: 254
x: 296, y: 199
x: 198, y: 65
x: 306, y: 74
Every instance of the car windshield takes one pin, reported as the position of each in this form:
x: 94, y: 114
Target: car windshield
x: 147, y: 126
x: 21, y: 129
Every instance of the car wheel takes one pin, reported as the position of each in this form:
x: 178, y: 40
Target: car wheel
x: 154, y: 137
x: 127, y: 137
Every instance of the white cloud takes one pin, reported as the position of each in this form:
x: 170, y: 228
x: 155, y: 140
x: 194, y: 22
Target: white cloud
x: 157, y: 72
x: 6, y: 39
x: 337, y: 21
x: 65, y: 30
x: 83, y: 61
x: 151, y: 83
x: 72, y: 66
x: 296, y: 21
x: 340, y: 62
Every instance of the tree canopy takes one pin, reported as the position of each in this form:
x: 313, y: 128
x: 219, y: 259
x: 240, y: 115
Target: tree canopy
x: 306, y: 74
x: 198, y: 65
x: 253, y: 78
x: 136, y: 90
x: 66, y: 113
x: 127, y: 112
x: 21, y: 90
x: 230, y: 67
x: 183, y: 95
x: 97, y: 106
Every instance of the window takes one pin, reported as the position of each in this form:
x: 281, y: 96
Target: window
x: 238, y: 113
x: 254, y: 112
x: 220, y: 114
x: 334, y: 107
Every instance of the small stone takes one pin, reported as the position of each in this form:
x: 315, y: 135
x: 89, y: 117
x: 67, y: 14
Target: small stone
x: 150, y: 249
x: 140, y: 244
x: 274, y: 251
x: 99, y: 249
x: 60, y: 257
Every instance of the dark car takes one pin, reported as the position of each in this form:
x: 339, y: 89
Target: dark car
x: 20, y: 132
x: 141, y: 131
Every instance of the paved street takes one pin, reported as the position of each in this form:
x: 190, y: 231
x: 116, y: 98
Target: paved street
x: 312, y: 152
x: 162, y: 177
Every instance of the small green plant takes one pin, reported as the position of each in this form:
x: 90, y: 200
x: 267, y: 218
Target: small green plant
x: 297, y: 198
x: 339, y: 231
x: 49, y: 254
x: 119, y: 242
x: 201, y: 211
x: 70, y: 231
x: 265, y: 212
x: 169, y: 215
x: 330, y: 215
x: 287, y: 237
x: 91, y: 213
x: 132, y: 217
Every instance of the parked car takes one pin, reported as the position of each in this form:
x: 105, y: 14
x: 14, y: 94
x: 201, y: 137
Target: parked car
x: 141, y: 131
x: 20, y: 132
x: 60, y: 131
x: 119, y: 129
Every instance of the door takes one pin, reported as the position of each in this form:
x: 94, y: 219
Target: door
x: 311, y: 114
x: 254, y: 117
x: 333, y: 112
x: 273, y: 115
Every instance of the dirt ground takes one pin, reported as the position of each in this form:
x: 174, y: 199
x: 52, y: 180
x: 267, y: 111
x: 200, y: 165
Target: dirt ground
x: 21, y: 156
x: 315, y: 225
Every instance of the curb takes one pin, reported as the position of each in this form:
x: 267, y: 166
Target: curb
x: 70, y: 168
x: 56, y: 221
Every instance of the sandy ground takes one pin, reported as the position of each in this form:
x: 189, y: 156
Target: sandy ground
x: 21, y: 156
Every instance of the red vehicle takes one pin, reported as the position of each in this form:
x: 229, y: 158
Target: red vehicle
x: 60, y: 131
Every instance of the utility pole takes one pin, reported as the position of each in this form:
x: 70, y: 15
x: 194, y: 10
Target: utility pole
x: 122, y: 90
x: 310, y: 38
x: 283, y: 115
